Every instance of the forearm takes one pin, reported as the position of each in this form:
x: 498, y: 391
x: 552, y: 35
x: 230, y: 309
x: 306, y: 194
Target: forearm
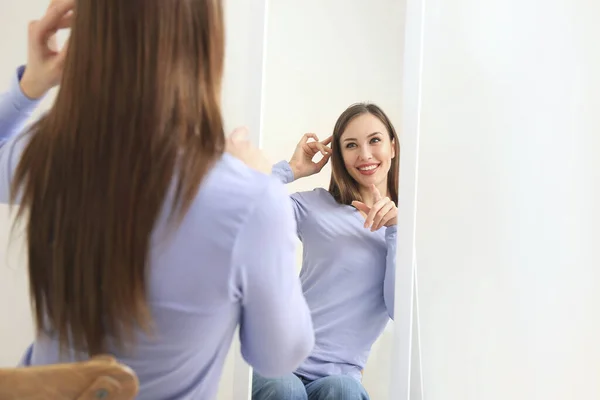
x: 15, y: 108
x: 284, y: 173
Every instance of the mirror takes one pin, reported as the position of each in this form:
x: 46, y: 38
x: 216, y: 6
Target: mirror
x: 322, y: 57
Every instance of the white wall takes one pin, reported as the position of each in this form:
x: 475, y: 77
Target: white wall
x: 15, y: 315
x: 322, y: 56
x: 508, y: 201
x: 241, y: 106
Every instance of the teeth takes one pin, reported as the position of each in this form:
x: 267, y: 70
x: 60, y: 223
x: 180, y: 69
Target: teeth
x: 370, y: 167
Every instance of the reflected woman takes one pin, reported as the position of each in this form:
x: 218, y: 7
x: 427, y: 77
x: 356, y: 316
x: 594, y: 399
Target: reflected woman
x: 349, y: 253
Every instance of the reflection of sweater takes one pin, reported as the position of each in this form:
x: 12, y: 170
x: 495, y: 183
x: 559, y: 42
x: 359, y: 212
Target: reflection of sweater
x: 348, y: 278
x: 231, y: 262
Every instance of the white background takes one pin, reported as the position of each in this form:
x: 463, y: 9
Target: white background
x: 508, y: 210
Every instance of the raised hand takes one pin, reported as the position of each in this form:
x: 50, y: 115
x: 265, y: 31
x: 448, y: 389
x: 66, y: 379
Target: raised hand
x: 44, y: 62
x: 239, y: 146
x: 383, y: 213
x: 302, y: 163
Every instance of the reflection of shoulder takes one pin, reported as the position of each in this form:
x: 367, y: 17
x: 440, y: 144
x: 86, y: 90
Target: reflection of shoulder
x: 318, y: 197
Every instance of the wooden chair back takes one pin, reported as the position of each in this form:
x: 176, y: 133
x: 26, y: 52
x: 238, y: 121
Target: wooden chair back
x: 100, y: 378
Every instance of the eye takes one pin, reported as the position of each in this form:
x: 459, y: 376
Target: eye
x: 350, y: 145
x: 375, y: 140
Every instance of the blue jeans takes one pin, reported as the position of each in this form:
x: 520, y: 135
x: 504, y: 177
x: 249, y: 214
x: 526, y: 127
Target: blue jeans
x: 293, y: 387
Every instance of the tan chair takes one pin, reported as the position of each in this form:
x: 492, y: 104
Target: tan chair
x: 101, y: 378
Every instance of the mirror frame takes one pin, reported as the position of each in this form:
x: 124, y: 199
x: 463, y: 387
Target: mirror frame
x: 405, y: 300
x: 406, y: 303
x: 242, y: 374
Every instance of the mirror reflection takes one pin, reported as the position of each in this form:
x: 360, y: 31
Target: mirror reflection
x: 331, y: 112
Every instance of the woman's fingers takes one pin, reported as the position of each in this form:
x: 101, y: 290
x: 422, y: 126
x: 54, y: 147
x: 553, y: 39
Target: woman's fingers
x: 239, y: 146
x: 362, y: 207
x: 376, y: 194
x: 307, y: 136
x: 323, y: 149
x: 387, y: 207
x: 312, y: 148
x: 388, y: 212
x: 379, y: 215
x: 316, y: 147
x: 328, y: 140
x: 373, y: 213
x: 52, y: 21
x: 323, y: 161
x: 66, y: 21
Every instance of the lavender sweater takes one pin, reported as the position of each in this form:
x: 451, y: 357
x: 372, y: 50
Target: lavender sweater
x: 230, y: 263
x: 348, y: 280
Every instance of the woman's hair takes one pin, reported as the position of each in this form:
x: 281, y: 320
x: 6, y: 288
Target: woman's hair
x: 342, y: 186
x: 137, y: 115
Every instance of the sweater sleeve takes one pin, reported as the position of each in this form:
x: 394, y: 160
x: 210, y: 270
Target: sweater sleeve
x: 285, y: 175
x: 15, y: 111
x: 276, y: 330
x: 389, y: 282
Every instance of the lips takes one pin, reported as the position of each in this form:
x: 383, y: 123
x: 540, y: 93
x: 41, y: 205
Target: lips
x: 368, y: 169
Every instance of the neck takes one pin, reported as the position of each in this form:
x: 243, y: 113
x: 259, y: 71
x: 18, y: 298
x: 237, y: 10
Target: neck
x: 367, y: 194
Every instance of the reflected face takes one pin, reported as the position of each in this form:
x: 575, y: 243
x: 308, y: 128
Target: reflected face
x: 367, y: 150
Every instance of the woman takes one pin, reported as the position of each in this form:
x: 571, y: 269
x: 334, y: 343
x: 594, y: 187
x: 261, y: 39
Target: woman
x: 141, y: 233
x: 349, y: 240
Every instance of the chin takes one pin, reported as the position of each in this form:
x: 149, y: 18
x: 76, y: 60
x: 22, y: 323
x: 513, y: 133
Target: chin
x: 368, y: 180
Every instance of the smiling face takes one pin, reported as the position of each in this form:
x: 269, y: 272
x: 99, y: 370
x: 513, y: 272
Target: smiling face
x: 367, y: 150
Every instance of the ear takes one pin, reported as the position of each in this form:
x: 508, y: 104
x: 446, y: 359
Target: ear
x: 393, y: 148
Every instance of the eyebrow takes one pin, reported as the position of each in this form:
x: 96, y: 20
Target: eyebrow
x: 370, y: 135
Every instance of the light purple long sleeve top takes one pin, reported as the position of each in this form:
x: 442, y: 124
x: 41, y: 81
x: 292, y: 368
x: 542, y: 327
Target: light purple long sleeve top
x: 348, y: 280
x: 229, y: 264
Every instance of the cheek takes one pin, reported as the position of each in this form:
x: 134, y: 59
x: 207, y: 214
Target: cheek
x: 384, y: 154
x: 348, y: 159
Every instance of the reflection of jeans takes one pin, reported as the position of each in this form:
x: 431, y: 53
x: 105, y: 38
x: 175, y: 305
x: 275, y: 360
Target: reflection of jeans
x: 292, y: 387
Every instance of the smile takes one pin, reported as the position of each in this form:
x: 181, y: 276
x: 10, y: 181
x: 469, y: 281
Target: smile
x: 368, y: 169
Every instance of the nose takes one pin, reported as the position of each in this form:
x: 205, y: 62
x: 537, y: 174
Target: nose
x: 365, y: 153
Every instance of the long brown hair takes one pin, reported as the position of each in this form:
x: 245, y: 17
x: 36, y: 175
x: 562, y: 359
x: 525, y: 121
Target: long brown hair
x: 342, y: 186
x: 137, y: 114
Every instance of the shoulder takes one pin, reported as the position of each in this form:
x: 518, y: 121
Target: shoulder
x: 233, y: 188
x: 316, y: 197
x: 233, y: 201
